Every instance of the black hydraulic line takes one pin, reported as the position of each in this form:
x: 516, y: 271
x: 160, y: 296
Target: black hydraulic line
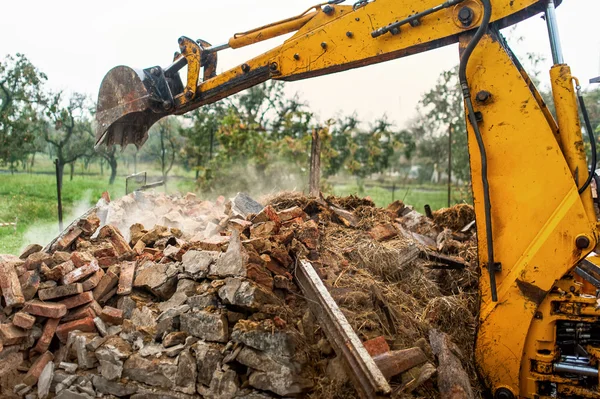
x: 590, y: 131
x: 462, y: 74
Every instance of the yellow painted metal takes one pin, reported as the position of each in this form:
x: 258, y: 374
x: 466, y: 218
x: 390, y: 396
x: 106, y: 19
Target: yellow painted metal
x: 536, y: 210
x: 271, y: 31
x: 569, y: 126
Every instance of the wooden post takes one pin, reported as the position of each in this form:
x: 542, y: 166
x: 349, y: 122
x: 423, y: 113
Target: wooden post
x: 450, y: 166
x: 315, y: 164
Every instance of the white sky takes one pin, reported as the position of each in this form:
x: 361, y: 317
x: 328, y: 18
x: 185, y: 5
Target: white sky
x: 76, y: 42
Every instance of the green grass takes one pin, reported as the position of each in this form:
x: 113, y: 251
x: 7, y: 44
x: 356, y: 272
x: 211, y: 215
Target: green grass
x: 32, y: 199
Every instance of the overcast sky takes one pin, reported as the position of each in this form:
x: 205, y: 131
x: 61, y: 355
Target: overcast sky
x: 76, y: 42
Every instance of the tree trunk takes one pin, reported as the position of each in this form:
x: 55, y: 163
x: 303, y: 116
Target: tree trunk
x: 135, y: 162
x: 72, y: 164
x: 102, y: 167
x: 32, y: 161
x: 113, y: 170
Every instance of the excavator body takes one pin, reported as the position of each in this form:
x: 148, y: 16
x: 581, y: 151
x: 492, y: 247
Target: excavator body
x: 539, y: 321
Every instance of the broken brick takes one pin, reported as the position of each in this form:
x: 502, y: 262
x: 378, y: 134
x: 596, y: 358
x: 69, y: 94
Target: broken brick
x: 308, y: 234
x: 83, y: 325
x: 78, y: 300
x: 116, y: 238
x: 292, y: 213
x: 36, y: 259
x: 81, y: 273
x: 36, y: 369
x: 30, y: 282
x: 9, y: 284
x: 30, y: 249
x: 11, y: 334
x: 80, y: 313
x: 260, y: 275
x: 89, y: 224
x: 68, y: 239
x: 81, y: 258
x: 377, y: 346
x: 265, y: 229
x: 93, y: 281
x: 23, y: 320
x: 45, y: 309
x: 267, y: 214
x: 47, y: 335
x: 106, y: 284
x: 383, y: 232
x: 60, y: 291
x: 112, y: 315
x: 126, y: 278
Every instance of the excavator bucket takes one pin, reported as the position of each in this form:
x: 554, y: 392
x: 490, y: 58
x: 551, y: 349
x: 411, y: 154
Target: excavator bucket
x: 129, y: 103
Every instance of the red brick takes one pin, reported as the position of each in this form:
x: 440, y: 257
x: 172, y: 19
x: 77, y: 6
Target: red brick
x: 93, y: 281
x: 116, y: 238
x: 47, y: 335
x: 79, y: 313
x: 45, y: 309
x: 89, y: 225
x: 107, y: 250
x: 35, y: 260
x: 83, y: 325
x: 81, y: 273
x: 292, y: 213
x: 267, y: 214
x: 23, y: 320
x: 376, y: 346
x: 36, y: 369
x: 57, y: 272
x: 106, y: 284
x: 126, y: 278
x: 9, y: 284
x: 81, y: 258
x: 107, y: 296
x: 308, y: 234
x: 60, y: 291
x: 112, y: 315
x: 78, y: 300
x: 30, y: 282
x: 12, y: 335
x: 68, y: 239
x: 108, y: 262
x: 260, y: 275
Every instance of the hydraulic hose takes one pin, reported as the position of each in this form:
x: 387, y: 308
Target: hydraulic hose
x: 590, y: 132
x: 462, y: 74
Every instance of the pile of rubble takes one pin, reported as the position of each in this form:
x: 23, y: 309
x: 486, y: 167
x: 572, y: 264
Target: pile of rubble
x: 153, y: 296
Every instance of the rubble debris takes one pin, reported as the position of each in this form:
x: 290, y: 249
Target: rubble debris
x: 156, y: 296
x: 453, y: 381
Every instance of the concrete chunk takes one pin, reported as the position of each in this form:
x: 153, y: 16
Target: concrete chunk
x: 206, y: 326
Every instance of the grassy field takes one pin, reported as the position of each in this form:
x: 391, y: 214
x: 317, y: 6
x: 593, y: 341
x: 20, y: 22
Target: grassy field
x: 31, y: 198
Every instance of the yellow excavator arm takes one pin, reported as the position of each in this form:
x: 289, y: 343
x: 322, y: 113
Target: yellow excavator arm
x: 539, y: 328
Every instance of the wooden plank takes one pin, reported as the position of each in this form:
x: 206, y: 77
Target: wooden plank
x: 368, y: 380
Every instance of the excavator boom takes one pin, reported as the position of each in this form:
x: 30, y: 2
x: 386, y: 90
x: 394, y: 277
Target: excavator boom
x: 539, y: 322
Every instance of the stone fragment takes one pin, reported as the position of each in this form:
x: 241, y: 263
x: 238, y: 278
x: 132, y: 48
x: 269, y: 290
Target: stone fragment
x: 153, y: 277
x: 60, y: 291
x: 68, y: 367
x: 80, y: 259
x: 245, y: 294
x: 30, y: 249
x: 83, y: 325
x: 126, y: 278
x: 206, y: 326
x: 45, y: 309
x: 202, y: 301
x: 9, y: 284
x: 127, y: 305
x: 47, y: 334
x: 186, y: 373
x: 197, y: 263
x: 23, y: 320
x: 233, y: 262
x: 224, y: 384
x: 11, y: 360
x: 208, y: 359
x: 185, y: 288
x: 114, y: 388
x: 242, y: 204
x: 92, y: 282
x: 81, y: 273
x: 160, y: 372
x: 143, y: 318
x: 44, y: 381
x: 174, y: 338
x: 36, y: 368
x: 112, y: 315
x: 264, y: 337
x: 30, y: 283
x: 106, y: 284
x: 111, y: 356
x: 57, y: 272
x: 100, y: 326
x: 77, y: 300
x: 85, y: 359
x: 67, y: 394
x: 12, y: 335
x: 155, y: 234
